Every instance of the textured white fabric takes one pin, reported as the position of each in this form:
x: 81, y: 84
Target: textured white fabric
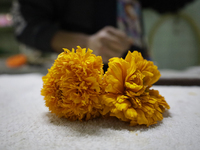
x: 26, y: 124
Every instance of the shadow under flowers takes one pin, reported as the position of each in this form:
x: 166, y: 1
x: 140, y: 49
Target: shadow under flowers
x: 167, y: 114
x: 98, y: 126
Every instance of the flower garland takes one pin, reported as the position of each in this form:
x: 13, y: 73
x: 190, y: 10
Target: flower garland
x: 75, y: 87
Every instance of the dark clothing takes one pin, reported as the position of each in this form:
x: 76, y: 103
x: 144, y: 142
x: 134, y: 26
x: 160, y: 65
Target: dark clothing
x: 40, y: 19
x: 172, y: 6
x: 36, y: 21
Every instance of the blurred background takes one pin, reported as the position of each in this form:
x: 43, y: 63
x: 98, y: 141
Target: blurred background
x: 174, y: 39
x: 8, y: 44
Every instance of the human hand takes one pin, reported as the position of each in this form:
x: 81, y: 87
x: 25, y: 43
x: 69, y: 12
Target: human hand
x: 109, y: 42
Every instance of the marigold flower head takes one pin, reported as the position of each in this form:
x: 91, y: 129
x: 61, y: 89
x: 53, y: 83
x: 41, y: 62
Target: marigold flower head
x: 127, y: 90
x: 72, y: 85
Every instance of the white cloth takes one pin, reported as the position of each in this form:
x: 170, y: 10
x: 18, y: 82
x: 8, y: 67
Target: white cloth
x: 26, y: 123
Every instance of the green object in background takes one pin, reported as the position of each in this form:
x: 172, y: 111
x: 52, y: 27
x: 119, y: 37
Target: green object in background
x: 8, y: 43
x: 190, y: 22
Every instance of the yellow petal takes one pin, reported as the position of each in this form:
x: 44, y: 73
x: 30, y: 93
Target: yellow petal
x: 122, y: 106
x: 106, y: 109
x: 159, y: 115
x: 88, y: 116
x: 129, y: 57
x: 131, y: 113
x: 133, y: 86
x: 141, y: 119
x: 121, y: 98
x: 133, y: 123
x: 118, y: 114
x: 95, y: 99
x: 109, y: 100
x: 114, y: 86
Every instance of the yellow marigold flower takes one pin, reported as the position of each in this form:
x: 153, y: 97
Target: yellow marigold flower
x: 127, y: 90
x: 72, y: 85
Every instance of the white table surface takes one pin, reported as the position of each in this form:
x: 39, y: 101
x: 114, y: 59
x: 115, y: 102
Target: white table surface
x: 26, y: 124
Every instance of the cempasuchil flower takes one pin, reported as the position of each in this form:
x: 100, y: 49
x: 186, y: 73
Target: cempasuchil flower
x: 127, y: 94
x: 72, y: 86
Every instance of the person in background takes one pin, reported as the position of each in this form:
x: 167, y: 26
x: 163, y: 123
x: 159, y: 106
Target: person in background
x: 109, y: 27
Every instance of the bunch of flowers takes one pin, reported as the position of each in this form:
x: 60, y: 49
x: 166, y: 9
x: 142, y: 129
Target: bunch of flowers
x: 72, y: 87
x: 127, y: 94
x: 76, y: 88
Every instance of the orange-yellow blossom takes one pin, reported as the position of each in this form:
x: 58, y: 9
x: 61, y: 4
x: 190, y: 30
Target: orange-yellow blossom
x: 72, y: 85
x: 127, y: 90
